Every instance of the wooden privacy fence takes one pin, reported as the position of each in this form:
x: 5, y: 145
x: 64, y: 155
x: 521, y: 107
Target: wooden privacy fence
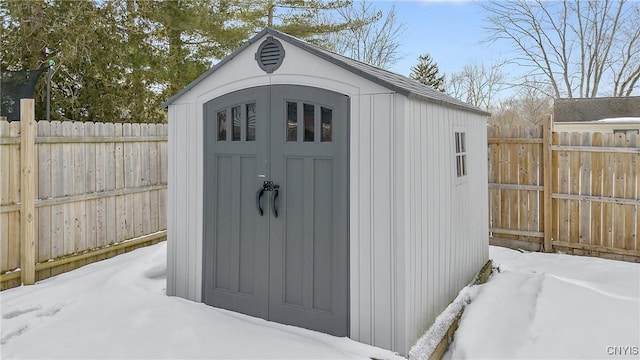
x: 99, y: 189
x: 572, y: 192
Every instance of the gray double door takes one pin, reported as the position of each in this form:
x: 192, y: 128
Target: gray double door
x: 276, y: 206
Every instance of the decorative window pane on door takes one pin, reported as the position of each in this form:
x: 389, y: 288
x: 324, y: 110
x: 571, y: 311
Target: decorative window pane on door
x: 237, y: 119
x: 292, y: 121
x: 309, y: 123
x: 251, y: 122
x: 325, y: 123
x: 314, y: 121
x: 222, y: 125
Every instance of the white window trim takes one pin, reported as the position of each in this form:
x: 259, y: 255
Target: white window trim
x: 460, y: 154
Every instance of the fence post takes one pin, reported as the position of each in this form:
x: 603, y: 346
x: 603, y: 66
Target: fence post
x: 27, y: 192
x: 547, y: 170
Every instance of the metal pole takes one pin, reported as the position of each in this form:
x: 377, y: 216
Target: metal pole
x: 49, y: 92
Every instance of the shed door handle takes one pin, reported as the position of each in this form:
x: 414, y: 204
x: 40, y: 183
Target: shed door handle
x: 274, y: 196
x: 258, y: 198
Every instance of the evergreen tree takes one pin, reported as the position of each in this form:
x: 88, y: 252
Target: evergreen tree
x: 188, y: 35
x: 303, y: 19
x: 118, y: 60
x: 86, y: 84
x: 427, y: 73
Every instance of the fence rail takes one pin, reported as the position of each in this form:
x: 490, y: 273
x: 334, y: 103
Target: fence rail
x: 100, y: 189
x: 591, y: 199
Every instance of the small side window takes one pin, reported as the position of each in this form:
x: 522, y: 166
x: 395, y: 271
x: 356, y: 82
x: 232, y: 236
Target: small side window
x: 461, y: 154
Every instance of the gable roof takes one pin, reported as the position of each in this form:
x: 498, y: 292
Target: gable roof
x: 392, y: 81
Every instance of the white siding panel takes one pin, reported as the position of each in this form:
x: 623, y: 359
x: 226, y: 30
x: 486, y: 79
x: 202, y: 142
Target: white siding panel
x: 184, y: 253
x: 361, y: 159
x: 400, y: 254
x: 354, y: 211
x: 191, y: 159
x: 171, y: 201
x: 431, y: 258
x: 446, y: 220
x: 177, y: 200
x: 378, y: 311
x: 381, y: 207
x: 181, y: 204
x: 199, y: 201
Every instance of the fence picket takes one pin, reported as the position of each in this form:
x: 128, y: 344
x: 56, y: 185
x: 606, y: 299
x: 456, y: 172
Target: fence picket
x: 563, y: 187
x: 79, y: 187
x: 112, y: 154
x: 14, y: 197
x: 514, y: 195
x: 574, y: 189
x: 607, y: 191
x: 597, y: 237
x: 523, y: 179
x: 145, y: 166
x: 137, y: 180
x: 57, y: 190
x: 4, y: 197
x: 153, y: 179
x: 630, y: 192
x: 584, y: 232
x: 555, y: 206
x: 100, y: 177
x: 90, y: 187
x: 43, y: 249
x: 128, y: 205
x: 120, y: 206
x: 68, y: 172
x: 534, y: 178
x: 619, y: 192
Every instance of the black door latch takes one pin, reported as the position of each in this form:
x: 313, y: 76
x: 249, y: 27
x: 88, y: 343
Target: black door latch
x: 267, y: 186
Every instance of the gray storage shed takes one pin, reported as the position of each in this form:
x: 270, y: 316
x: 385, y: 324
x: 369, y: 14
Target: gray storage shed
x: 314, y: 190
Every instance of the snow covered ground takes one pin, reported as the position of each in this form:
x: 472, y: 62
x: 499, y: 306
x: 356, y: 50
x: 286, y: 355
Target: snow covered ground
x: 552, y: 306
x: 116, y: 309
x: 543, y: 306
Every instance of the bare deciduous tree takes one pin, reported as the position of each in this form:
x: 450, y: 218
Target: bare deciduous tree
x: 374, y: 40
x: 581, y: 48
x: 476, y: 84
x: 530, y: 105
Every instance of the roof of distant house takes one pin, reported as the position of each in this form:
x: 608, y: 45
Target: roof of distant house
x: 592, y: 109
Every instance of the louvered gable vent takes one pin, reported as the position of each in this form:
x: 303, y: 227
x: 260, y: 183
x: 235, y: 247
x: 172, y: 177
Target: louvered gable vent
x: 270, y: 55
